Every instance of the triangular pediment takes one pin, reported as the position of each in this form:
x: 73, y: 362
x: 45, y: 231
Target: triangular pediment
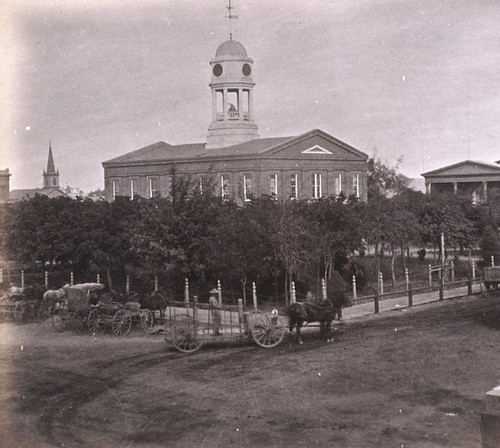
x: 315, y: 144
x: 466, y: 168
x: 316, y: 149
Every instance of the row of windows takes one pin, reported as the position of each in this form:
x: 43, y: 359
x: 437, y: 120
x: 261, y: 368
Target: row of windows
x: 225, y: 191
x: 153, y: 189
x: 317, y: 185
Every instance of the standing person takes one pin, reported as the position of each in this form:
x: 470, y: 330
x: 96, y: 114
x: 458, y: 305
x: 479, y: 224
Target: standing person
x: 215, y: 308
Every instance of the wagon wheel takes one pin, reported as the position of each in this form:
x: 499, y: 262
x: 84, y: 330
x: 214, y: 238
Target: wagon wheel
x: 186, y: 334
x: 121, y: 324
x: 93, y: 322
x: 79, y: 320
x: 146, y: 320
x: 22, y: 312
x: 60, y: 317
x: 486, y: 287
x: 268, y: 331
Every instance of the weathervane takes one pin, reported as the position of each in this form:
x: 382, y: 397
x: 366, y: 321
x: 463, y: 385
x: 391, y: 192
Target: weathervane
x: 230, y: 16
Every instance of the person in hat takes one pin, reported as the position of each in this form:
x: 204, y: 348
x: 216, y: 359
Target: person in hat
x: 215, y: 308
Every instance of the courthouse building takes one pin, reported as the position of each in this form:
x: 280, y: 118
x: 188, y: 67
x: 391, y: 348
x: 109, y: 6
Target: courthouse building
x: 234, y: 158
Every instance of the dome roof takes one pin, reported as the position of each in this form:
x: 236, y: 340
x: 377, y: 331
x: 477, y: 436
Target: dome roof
x: 231, y: 48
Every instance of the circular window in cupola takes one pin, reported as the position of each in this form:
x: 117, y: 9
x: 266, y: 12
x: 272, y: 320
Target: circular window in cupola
x: 217, y: 70
x: 247, y: 69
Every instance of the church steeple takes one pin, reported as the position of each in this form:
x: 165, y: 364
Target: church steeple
x: 51, y: 176
x: 232, y: 95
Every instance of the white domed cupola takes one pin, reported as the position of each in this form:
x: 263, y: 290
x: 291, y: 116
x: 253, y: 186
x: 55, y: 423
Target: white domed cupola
x: 232, y: 102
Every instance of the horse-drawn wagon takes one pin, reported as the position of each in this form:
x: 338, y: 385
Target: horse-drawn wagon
x: 490, y: 280
x: 22, y: 305
x: 190, y: 325
x: 119, y: 317
x: 80, y: 308
x: 72, y: 305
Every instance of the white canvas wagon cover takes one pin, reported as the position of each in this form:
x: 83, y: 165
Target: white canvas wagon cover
x: 77, y: 295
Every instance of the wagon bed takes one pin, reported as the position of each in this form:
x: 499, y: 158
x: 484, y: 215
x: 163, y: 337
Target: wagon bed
x: 189, y: 326
x: 490, y: 280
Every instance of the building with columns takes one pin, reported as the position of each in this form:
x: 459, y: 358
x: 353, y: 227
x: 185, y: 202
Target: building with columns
x: 471, y: 178
x: 234, y: 158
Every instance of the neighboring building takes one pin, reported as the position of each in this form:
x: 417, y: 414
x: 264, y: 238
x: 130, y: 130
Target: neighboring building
x: 471, y: 178
x: 50, y: 183
x: 312, y: 165
x: 4, y: 185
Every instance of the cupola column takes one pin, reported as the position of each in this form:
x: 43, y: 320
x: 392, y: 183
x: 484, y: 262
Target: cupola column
x: 250, y: 104
x: 240, y: 104
x: 214, y: 105
x: 224, y: 104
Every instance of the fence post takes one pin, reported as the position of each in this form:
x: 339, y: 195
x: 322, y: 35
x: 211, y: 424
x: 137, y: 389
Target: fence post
x: 410, y: 295
x: 354, y: 289
x: 473, y: 270
x: 441, y: 289
x: 452, y: 266
x: 254, y: 295
x: 469, y: 286
x: 219, y: 292
x: 186, y: 293
x: 407, y: 278
x: 323, y: 289
x: 22, y: 279
x: 293, y: 297
x: 240, y: 312
x: 381, y: 282
x: 71, y: 278
x: 377, y: 297
x: 46, y: 280
x: 430, y: 275
x: 195, y: 307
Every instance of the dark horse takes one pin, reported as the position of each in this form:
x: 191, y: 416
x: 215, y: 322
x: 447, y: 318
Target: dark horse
x: 155, y: 302
x: 323, y: 312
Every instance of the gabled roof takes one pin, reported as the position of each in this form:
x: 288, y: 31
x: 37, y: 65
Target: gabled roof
x: 466, y: 167
x: 51, y: 192
x: 261, y: 147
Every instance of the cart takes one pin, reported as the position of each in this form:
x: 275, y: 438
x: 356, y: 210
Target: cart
x: 189, y: 326
x: 119, y: 317
x: 71, y: 311
x: 490, y: 280
x: 19, y: 306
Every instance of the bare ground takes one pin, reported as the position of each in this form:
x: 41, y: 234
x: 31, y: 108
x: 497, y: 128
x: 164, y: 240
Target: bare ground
x: 413, y: 378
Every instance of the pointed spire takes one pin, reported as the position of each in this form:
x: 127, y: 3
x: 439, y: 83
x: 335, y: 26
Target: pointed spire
x: 50, y: 163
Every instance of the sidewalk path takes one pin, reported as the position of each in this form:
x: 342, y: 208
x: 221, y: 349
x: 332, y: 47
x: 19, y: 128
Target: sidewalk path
x: 402, y: 302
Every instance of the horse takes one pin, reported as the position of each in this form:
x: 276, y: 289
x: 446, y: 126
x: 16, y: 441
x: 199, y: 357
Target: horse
x: 52, y: 296
x: 323, y: 312
x: 155, y: 302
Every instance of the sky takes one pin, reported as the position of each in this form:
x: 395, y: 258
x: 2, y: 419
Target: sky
x: 410, y: 80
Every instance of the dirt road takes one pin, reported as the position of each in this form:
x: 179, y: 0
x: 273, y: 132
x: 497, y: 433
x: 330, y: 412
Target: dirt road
x: 408, y: 378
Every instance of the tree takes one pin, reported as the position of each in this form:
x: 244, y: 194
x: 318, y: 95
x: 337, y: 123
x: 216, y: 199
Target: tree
x: 384, y: 180
x: 335, y: 228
